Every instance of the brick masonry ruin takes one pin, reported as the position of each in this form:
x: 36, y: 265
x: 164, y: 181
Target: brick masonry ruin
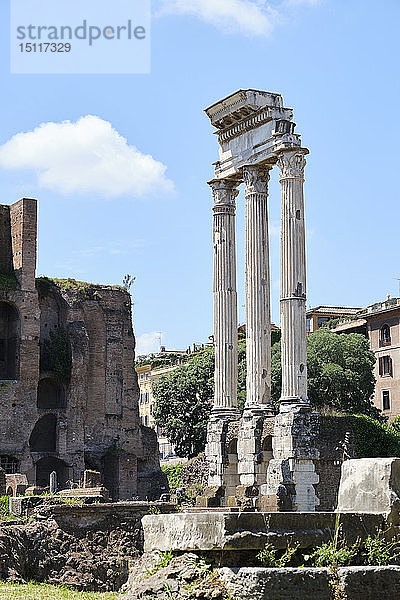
x: 68, y: 387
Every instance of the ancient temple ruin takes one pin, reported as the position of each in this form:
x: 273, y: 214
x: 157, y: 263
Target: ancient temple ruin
x: 68, y: 388
x: 261, y: 457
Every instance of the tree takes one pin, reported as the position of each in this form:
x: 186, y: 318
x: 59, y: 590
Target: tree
x: 340, y: 377
x: 184, y: 402
x: 340, y: 372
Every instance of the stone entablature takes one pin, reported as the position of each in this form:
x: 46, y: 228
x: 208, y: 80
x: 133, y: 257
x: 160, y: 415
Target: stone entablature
x: 252, y: 126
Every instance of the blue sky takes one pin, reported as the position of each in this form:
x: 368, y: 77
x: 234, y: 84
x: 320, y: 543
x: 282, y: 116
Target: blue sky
x: 336, y: 63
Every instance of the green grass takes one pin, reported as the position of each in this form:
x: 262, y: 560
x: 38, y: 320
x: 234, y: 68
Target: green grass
x: 42, y: 591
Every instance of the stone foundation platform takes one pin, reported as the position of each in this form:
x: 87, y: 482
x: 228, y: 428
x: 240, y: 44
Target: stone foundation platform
x: 250, y: 531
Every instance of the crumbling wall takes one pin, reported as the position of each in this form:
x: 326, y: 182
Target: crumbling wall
x: 85, y: 399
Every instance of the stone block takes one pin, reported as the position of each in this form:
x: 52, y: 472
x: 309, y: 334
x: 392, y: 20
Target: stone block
x: 16, y: 484
x: 238, y: 531
x: 35, y: 490
x: 23, y: 506
x: 370, y: 583
x: 204, y: 502
x: 371, y: 485
x: 211, y: 497
x: 91, y: 479
x: 94, y: 494
x: 355, y: 583
x: 257, y: 583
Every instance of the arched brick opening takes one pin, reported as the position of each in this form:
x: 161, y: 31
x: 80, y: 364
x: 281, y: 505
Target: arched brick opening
x: 47, y: 465
x: 267, y: 443
x: 50, y: 394
x: 44, y: 435
x: 232, y: 446
x: 9, y: 341
x: 110, y: 473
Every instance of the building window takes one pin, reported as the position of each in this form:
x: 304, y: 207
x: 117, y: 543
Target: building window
x: 385, y: 366
x: 147, y: 376
x: 141, y: 376
x: 308, y: 324
x: 322, y: 320
x: 386, y: 400
x: 384, y: 337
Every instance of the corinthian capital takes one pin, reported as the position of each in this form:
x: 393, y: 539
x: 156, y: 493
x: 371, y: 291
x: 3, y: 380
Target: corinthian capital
x: 224, y: 191
x: 256, y: 179
x: 291, y: 164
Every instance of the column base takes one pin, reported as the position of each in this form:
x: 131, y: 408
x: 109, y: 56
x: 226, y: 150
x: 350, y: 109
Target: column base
x: 291, y: 474
x: 293, y: 404
x: 259, y: 410
x: 219, y: 413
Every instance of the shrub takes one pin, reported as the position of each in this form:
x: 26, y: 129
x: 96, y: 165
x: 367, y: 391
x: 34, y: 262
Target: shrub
x: 174, y: 476
x: 56, y: 354
x: 373, y: 439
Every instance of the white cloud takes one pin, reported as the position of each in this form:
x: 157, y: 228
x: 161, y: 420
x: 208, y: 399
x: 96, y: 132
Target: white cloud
x: 85, y: 157
x: 251, y: 17
x: 148, y: 343
x: 110, y: 248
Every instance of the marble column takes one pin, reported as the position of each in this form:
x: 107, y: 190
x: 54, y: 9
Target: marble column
x: 291, y: 163
x: 258, y: 311
x: 225, y: 297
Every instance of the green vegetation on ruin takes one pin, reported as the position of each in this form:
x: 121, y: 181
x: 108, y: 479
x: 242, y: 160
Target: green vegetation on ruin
x: 174, y: 476
x: 5, y: 514
x: 82, y: 289
x: 374, y: 550
x: 160, y: 362
x: 56, y: 354
x: 8, y: 281
x: 42, y: 591
x: 373, y: 438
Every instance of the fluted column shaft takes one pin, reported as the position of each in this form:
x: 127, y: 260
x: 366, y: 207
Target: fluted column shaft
x: 225, y: 295
x: 258, y: 310
x: 293, y: 277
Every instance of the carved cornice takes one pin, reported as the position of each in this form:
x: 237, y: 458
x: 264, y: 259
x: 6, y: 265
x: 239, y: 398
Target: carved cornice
x: 292, y: 164
x: 256, y: 179
x: 251, y: 122
x: 224, y: 192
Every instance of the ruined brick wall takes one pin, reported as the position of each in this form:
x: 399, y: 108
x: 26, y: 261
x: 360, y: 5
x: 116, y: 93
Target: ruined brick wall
x: 5, y: 240
x: 58, y: 418
x: 18, y: 390
x: 100, y: 420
